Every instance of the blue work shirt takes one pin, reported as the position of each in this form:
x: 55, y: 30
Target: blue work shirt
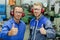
x: 7, y: 27
x: 35, y: 25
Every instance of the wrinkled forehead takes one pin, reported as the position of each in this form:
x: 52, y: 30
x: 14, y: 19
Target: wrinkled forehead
x: 18, y: 9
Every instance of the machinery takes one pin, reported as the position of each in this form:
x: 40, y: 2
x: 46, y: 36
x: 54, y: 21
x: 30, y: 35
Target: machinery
x: 2, y: 12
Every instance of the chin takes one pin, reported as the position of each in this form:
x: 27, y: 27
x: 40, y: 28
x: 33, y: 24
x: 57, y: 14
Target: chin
x: 18, y: 19
x: 36, y: 15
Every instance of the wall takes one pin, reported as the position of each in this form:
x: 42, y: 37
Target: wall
x: 2, y: 1
x: 29, y: 1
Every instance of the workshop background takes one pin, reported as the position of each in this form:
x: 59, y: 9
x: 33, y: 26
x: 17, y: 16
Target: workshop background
x: 51, y: 7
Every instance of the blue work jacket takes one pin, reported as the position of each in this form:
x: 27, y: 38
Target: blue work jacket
x: 35, y: 25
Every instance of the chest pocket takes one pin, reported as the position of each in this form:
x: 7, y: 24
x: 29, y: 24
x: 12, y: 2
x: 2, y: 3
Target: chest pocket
x: 21, y: 29
x: 40, y: 24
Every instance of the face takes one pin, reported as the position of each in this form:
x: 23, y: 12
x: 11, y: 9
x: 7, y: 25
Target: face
x: 18, y: 13
x: 37, y: 10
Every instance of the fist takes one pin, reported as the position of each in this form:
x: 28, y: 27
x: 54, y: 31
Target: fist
x: 42, y: 30
x: 13, y: 31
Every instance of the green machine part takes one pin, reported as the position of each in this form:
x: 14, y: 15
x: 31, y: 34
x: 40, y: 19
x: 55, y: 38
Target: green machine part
x: 26, y: 17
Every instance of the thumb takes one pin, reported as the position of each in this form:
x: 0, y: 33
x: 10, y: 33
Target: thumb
x: 13, y: 25
x: 42, y: 26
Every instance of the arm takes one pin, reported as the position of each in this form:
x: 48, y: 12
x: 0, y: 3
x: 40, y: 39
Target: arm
x: 23, y: 31
x: 4, y: 31
x: 50, y: 32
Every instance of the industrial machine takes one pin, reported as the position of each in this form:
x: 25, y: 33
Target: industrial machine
x: 2, y: 12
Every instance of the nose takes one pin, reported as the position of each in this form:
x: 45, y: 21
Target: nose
x: 18, y: 13
x: 35, y: 11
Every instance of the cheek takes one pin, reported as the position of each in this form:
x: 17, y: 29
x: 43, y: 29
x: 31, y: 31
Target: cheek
x: 39, y: 11
x: 20, y: 15
x: 14, y: 15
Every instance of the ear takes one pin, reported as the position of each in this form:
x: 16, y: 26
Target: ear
x: 42, y: 10
x: 23, y: 14
x: 12, y: 13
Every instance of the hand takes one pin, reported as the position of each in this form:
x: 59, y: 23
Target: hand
x: 13, y: 31
x: 42, y: 30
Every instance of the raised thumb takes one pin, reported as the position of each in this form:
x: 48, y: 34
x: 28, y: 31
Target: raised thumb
x: 13, y: 25
x: 42, y: 26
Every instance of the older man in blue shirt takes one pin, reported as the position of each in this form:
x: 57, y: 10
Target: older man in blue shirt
x: 14, y: 28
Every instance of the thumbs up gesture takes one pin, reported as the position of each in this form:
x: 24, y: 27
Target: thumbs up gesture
x: 13, y: 31
x: 42, y: 30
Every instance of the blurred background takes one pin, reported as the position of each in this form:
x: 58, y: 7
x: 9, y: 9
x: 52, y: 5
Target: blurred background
x: 51, y: 11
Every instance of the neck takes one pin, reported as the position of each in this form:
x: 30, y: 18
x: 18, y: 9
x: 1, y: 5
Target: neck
x: 38, y: 17
x: 17, y: 21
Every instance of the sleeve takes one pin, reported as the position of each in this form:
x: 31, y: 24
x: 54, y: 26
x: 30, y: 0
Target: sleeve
x: 0, y: 34
x: 4, y: 31
x: 24, y: 30
x: 50, y: 30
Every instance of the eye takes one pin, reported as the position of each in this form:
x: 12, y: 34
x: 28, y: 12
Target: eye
x: 18, y: 12
x: 36, y: 9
